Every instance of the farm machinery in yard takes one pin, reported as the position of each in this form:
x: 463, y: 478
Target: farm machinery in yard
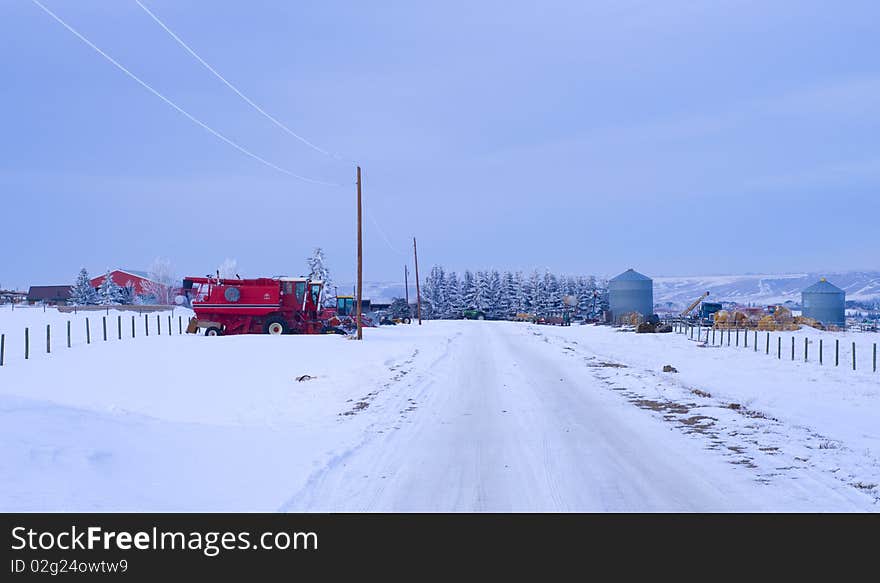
x: 277, y: 305
x: 343, y: 317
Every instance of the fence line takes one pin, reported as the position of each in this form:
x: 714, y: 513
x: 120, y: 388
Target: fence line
x: 88, y: 336
x: 695, y: 332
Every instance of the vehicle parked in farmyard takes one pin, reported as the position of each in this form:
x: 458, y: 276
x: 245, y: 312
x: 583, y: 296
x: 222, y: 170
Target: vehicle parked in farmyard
x: 343, y: 317
x: 276, y: 305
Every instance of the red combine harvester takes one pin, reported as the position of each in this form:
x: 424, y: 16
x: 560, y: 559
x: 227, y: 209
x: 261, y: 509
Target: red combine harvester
x: 278, y: 305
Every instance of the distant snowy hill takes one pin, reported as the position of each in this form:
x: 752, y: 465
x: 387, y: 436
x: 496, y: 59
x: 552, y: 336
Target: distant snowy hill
x: 381, y: 292
x: 762, y: 289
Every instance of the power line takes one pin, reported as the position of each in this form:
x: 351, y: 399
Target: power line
x: 179, y: 109
x: 378, y: 227
x: 231, y: 86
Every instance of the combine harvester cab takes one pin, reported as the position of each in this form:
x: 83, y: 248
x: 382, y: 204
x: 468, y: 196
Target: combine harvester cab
x: 282, y: 305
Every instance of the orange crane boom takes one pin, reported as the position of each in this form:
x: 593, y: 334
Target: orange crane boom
x: 694, y: 304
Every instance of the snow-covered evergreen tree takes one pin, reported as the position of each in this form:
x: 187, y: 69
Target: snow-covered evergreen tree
x: 318, y: 271
x: 520, y: 291
x: 161, y: 284
x: 506, y: 295
x: 228, y: 269
x: 551, y: 300
x: 468, y: 290
x: 496, y: 307
x: 533, y: 292
x: 127, y: 294
x: 434, y: 291
x: 399, y: 308
x: 481, y: 297
x: 82, y: 293
x: 453, y: 296
x: 109, y: 293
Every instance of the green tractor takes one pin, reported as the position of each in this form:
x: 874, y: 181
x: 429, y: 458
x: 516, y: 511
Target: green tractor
x: 473, y: 314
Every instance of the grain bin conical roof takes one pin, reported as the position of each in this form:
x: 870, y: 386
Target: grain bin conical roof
x: 823, y: 287
x: 630, y: 275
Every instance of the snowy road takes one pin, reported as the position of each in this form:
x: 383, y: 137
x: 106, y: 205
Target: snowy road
x: 449, y: 416
x: 502, y: 423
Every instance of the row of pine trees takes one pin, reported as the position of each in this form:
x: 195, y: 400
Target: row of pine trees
x: 505, y: 294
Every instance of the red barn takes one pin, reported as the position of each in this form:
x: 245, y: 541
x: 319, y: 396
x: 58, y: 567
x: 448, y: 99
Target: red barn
x: 121, y: 277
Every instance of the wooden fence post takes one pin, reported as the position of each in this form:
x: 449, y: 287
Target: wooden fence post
x: 169, y: 325
x: 132, y: 326
x: 806, y: 350
x: 158, y: 325
x: 875, y: 357
x: 27, y: 344
x: 737, y: 336
x: 836, y: 351
x: 88, y: 333
x: 48, y: 339
x: 756, y: 341
x: 119, y: 326
x: 104, y: 324
x: 820, y: 351
x: 792, y: 347
x: 146, y: 325
x: 180, y: 324
x: 854, y: 355
x: 68, y: 333
x: 779, y: 347
x: 3, y: 345
x: 768, y: 343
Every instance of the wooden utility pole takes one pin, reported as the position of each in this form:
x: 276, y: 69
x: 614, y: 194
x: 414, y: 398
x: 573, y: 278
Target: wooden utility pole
x: 406, y: 284
x: 418, y: 293
x: 360, y: 282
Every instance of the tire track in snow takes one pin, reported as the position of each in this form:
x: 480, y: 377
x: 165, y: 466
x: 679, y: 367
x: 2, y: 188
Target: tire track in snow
x: 763, y: 444
x: 423, y: 381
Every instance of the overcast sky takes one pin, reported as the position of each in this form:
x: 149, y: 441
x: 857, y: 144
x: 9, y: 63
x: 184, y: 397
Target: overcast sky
x: 674, y: 137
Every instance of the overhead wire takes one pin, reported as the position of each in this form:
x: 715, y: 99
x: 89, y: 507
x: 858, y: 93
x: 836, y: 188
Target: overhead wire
x: 177, y: 108
x: 232, y: 87
x: 379, y: 228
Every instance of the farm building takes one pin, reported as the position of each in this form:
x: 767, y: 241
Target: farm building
x: 48, y: 294
x: 825, y: 302
x: 630, y: 292
x: 140, y: 280
x: 9, y: 296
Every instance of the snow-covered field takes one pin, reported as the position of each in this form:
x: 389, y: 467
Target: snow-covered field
x: 449, y: 416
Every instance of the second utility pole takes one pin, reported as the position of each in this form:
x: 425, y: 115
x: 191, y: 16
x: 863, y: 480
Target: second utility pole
x: 418, y: 293
x: 360, y: 274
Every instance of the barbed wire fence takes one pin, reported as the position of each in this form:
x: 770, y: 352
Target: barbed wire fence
x: 784, y: 345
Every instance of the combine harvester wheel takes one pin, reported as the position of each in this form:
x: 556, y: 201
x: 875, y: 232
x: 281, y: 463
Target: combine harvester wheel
x: 276, y: 326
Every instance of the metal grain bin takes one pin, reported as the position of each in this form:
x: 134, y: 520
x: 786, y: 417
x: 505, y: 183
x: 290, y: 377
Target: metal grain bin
x: 630, y: 292
x: 825, y: 302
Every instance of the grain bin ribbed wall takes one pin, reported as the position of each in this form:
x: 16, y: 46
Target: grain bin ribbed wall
x: 825, y: 302
x: 630, y: 292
